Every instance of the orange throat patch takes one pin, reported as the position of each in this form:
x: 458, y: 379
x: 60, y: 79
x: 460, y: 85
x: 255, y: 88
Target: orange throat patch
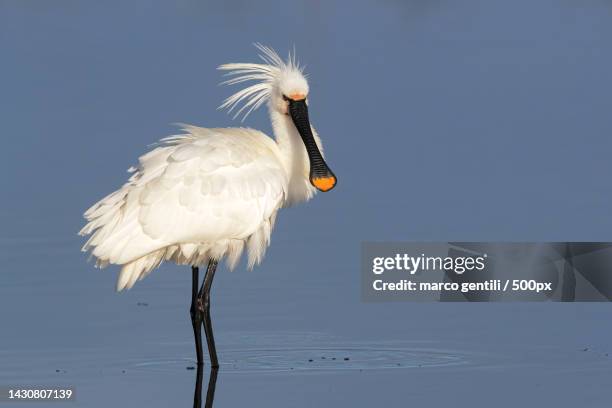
x: 297, y: 96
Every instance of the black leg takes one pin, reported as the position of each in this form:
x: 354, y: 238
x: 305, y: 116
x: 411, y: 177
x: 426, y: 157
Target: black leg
x: 196, y: 313
x: 210, y: 393
x: 212, y: 383
x: 204, y: 304
x: 197, y: 393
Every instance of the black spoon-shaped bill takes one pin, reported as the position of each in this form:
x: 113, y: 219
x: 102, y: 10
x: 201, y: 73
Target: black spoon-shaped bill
x: 321, y: 175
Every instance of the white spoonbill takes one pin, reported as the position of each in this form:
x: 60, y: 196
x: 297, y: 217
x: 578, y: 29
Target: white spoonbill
x: 207, y: 194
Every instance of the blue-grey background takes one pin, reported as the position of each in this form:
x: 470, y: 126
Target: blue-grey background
x: 444, y: 120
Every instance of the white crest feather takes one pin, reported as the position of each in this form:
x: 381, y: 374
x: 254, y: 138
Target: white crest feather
x: 266, y: 75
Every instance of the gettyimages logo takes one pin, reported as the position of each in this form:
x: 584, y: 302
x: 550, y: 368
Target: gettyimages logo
x: 415, y: 264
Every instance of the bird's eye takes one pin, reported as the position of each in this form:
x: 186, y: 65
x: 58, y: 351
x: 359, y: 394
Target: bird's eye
x: 286, y: 98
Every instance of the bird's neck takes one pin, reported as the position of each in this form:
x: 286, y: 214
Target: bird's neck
x: 294, y: 156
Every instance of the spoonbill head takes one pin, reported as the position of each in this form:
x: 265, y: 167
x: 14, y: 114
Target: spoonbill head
x: 284, y: 86
x: 210, y: 193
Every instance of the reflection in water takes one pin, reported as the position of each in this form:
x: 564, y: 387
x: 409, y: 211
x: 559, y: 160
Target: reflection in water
x: 307, y: 355
x: 210, y: 393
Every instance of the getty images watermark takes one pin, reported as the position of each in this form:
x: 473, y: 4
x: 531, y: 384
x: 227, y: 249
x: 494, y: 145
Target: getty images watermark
x: 476, y: 271
x: 413, y: 264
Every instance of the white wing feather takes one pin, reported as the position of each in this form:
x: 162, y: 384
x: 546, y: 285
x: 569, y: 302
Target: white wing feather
x: 201, y: 195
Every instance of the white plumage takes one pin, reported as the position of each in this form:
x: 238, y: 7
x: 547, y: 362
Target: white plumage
x: 208, y: 193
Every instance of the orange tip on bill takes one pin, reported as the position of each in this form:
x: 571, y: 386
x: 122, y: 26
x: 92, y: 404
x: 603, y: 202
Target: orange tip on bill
x: 324, y: 183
